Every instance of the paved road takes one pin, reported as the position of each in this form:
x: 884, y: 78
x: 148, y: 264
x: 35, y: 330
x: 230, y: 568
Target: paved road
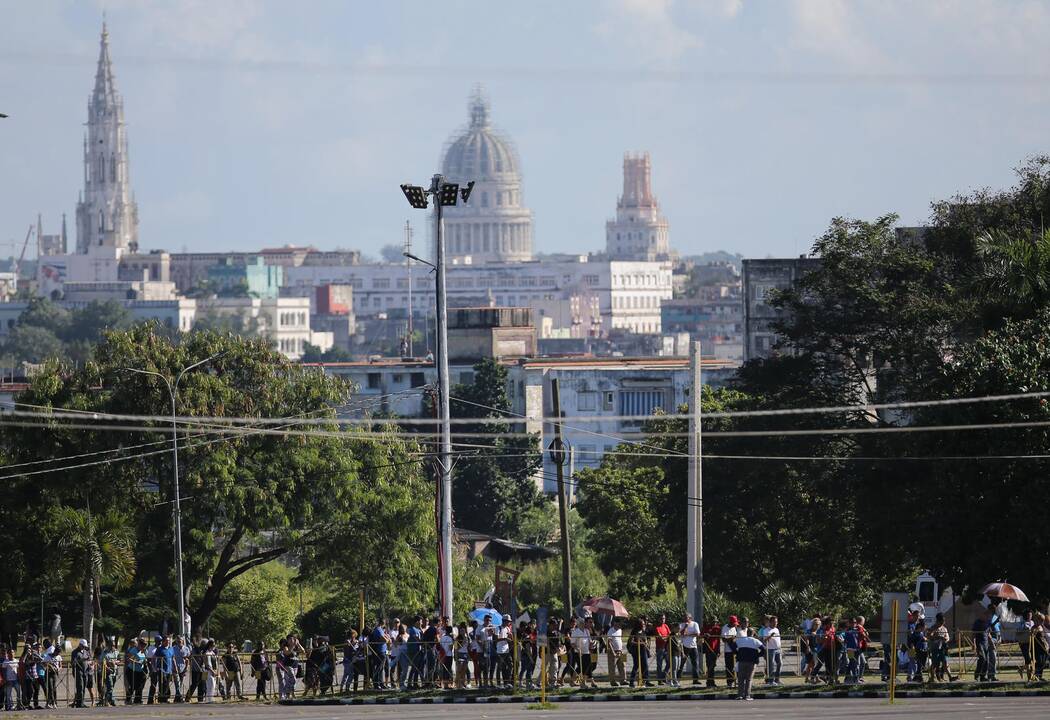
x: 945, y: 708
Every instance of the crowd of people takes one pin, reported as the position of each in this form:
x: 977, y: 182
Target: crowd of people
x: 491, y: 652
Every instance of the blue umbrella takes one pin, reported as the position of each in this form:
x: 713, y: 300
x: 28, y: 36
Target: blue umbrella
x: 481, y: 613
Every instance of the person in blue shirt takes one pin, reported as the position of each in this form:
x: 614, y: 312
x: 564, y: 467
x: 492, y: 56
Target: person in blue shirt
x: 918, y: 645
x: 851, y: 641
x: 415, y: 657
x: 136, y: 661
x: 164, y: 660
x: 378, y: 646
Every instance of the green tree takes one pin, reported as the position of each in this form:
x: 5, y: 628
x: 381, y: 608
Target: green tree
x: 95, y: 549
x: 252, y: 497
x: 33, y: 344
x: 495, y: 483
x: 258, y: 606
x: 1015, y: 272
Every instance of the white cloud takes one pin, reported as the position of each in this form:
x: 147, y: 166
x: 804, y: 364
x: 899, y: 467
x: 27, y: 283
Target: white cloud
x: 832, y: 28
x: 654, y: 29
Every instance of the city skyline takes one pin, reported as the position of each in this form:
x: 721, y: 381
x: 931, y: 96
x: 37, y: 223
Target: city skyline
x: 242, y: 136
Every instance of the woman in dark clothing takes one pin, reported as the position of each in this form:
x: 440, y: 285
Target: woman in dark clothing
x: 261, y: 670
x: 638, y: 646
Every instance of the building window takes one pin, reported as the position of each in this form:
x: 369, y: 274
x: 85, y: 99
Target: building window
x: 641, y: 402
x: 608, y: 398
x: 373, y: 381
x: 417, y: 380
x: 587, y: 401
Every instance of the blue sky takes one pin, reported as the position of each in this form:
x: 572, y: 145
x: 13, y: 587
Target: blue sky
x: 261, y: 123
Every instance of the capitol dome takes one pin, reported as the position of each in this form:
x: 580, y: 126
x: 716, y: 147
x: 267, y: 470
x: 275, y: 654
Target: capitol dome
x: 494, y: 226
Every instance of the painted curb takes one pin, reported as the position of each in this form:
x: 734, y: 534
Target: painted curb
x: 519, y: 699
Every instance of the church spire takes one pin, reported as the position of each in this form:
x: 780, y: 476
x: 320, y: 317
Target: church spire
x: 105, y: 94
x: 107, y: 217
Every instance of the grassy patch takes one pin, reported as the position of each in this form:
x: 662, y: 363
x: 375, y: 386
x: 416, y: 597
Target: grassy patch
x: 542, y: 706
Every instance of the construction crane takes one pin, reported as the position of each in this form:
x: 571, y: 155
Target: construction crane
x: 18, y: 265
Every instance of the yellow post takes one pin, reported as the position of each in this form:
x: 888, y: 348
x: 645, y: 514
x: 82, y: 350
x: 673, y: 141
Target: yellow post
x: 893, y: 651
x: 543, y: 673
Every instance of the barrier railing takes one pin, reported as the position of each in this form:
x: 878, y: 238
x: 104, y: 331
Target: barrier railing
x: 519, y: 661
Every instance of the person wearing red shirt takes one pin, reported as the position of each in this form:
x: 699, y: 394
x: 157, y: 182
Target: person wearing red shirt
x: 862, y: 654
x: 712, y: 636
x: 661, y: 632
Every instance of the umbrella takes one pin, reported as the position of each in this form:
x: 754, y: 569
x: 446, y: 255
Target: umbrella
x: 606, y: 606
x: 481, y: 613
x: 1004, y: 591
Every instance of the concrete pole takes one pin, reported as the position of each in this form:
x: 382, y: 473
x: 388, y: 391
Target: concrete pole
x: 445, y: 454
x: 558, y: 455
x: 694, y: 502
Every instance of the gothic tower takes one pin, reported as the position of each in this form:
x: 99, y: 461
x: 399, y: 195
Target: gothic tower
x: 640, y: 231
x: 107, y: 216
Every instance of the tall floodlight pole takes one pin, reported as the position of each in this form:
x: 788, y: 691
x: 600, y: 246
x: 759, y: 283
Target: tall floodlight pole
x: 694, y: 501
x: 444, y: 194
x: 408, y: 266
x: 173, y: 389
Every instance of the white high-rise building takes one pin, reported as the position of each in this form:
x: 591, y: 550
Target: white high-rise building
x: 107, y: 216
x: 640, y: 231
x: 494, y: 225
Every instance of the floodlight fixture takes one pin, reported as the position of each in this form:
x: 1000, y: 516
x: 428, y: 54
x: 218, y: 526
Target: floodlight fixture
x: 416, y: 196
x: 448, y: 194
x: 465, y: 192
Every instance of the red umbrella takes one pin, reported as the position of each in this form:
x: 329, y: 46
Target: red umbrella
x: 606, y: 606
x: 1004, y: 591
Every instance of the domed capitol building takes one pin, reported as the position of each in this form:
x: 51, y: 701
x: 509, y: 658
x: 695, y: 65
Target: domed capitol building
x: 494, y: 225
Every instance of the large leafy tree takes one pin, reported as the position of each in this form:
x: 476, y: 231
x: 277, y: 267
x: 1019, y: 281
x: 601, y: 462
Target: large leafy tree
x: 251, y: 497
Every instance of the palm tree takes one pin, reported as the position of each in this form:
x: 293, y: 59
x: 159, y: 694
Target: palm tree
x: 97, y: 549
x: 1015, y: 269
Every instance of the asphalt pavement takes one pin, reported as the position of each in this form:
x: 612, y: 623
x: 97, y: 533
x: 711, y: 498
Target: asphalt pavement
x: 953, y: 708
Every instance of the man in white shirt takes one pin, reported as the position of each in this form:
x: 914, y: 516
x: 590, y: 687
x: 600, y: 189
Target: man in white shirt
x: 503, y: 657
x: 582, y: 641
x: 773, y: 658
x: 617, y: 657
x: 730, y: 633
x: 690, y: 635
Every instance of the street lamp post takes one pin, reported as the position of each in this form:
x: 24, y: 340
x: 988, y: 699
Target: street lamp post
x: 444, y: 194
x: 173, y: 389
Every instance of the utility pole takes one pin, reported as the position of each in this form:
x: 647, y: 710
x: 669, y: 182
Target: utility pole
x: 408, y: 267
x: 173, y: 390
x: 443, y: 193
x: 557, y: 449
x: 694, y: 499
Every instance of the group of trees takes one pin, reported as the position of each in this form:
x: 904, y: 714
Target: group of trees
x: 351, y: 509
x: 958, y: 309
x: 46, y: 330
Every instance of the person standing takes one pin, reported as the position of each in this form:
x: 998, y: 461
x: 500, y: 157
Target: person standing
x: 571, y: 666
x: 180, y: 658
x: 1040, y: 645
x: 638, y: 644
x: 979, y: 634
x: 164, y: 661
x: 919, y: 649
x: 260, y: 665
x: 616, y: 656
x: 151, y: 668
x: 108, y: 660
x: 79, y: 662
x: 773, y: 658
x: 503, y: 653
x: 748, y: 649
x: 661, y: 633
x: 378, y: 646
x: 136, y: 660
x: 711, y: 640
x: 232, y: 665
x: 690, y: 645
x: 863, y: 640
x: 9, y: 672
x: 729, y: 635
x: 940, y: 640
